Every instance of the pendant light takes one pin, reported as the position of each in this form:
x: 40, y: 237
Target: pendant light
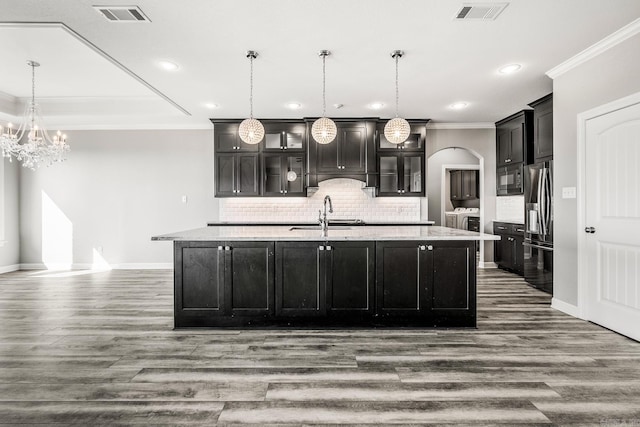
x: 251, y: 130
x: 397, y: 129
x: 324, y: 129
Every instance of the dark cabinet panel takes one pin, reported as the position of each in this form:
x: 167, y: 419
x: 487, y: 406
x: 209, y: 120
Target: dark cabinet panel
x: 350, y: 277
x: 282, y: 136
x: 543, y: 128
x: 514, y: 137
x: 464, y: 184
x: 450, y: 280
x: 400, y: 288
x: 509, y: 250
x: 328, y: 157
x: 347, y: 154
x: 202, y: 271
x: 250, y: 277
x: 299, y: 279
x: 226, y: 139
x: 237, y: 175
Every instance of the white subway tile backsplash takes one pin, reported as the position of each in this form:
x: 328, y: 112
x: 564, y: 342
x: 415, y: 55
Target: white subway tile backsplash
x: 510, y: 208
x: 350, y: 201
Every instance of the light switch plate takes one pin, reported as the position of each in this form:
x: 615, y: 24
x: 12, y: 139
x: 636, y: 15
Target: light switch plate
x: 568, y: 192
x: 184, y: 199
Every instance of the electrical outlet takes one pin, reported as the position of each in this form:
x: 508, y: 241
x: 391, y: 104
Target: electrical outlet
x: 568, y: 192
x: 184, y: 199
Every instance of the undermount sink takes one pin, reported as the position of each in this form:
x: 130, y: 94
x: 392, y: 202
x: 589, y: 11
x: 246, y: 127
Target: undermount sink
x: 317, y: 227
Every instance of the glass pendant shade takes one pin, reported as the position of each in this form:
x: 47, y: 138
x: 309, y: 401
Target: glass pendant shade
x: 397, y: 130
x: 251, y: 131
x: 324, y: 130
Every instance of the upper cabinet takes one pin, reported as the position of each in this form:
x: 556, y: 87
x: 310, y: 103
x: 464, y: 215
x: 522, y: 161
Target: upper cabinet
x: 350, y: 155
x: 513, y: 139
x: 401, y: 174
x: 415, y: 141
x: 225, y: 135
x: 280, y: 136
x: 464, y: 184
x: 543, y: 128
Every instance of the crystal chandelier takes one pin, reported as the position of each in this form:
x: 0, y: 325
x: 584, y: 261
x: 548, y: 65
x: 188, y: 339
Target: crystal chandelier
x: 251, y: 130
x: 38, y: 148
x: 397, y: 129
x: 324, y: 129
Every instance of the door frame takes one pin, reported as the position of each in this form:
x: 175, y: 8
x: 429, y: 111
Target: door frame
x: 583, y: 118
x: 445, y: 190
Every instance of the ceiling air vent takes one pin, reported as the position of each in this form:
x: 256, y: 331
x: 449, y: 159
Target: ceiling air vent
x: 122, y: 13
x: 480, y: 11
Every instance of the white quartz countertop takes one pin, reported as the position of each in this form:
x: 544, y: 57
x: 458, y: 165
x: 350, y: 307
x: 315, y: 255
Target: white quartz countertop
x: 288, y: 233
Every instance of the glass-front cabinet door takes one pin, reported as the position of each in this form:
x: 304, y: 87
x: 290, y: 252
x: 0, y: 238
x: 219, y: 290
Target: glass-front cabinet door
x: 283, y: 175
x: 284, y: 136
x: 412, y: 174
x: 401, y: 174
x: 415, y: 141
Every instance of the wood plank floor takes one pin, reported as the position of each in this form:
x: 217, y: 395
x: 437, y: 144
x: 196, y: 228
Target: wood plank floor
x: 98, y: 349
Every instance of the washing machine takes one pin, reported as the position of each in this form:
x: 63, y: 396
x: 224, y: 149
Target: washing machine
x: 458, y: 218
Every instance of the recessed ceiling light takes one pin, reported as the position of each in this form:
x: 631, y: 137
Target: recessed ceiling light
x: 293, y: 105
x: 376, y: 105
x: 508, y: 69
x: 458, y: 105
x: 210, y: 105
x: 168, y: 65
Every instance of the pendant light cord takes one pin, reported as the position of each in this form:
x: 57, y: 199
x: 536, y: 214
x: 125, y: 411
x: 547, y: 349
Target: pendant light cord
x: 251, y: 88
x: 324, y: 99
x: 33, y: 96
x: 397, y: 95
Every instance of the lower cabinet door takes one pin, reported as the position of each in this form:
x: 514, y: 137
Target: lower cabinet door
x: 300, y: 279
x: 350, y: 279
x: 400, y: 279
x: 249, y: 278
x: 198, y: 282
x: 451, y: 282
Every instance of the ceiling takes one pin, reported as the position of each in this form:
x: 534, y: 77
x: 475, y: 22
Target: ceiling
x: 101, y: 74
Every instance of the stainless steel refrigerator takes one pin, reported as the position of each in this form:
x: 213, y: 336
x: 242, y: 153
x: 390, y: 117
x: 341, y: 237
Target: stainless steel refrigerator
x: 538, y: 239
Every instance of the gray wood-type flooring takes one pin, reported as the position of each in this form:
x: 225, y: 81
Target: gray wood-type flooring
x: 99, y: 349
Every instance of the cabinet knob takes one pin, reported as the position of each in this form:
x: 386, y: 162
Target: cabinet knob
x: 220, y: 248
x: 403, y: 191
x: 285, y: 191
x: 285, y: 148
x: 321, y: 248
x: 227, y: 248
x: 429, y: 248
x: 422, y: 247
x: 590, y: 230
x: 328, y: 248
x: 399, y: 191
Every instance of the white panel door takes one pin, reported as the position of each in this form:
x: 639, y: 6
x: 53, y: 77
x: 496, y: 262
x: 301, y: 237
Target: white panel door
x: 612, y: 203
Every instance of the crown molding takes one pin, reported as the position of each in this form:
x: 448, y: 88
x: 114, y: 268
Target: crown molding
x: 472, y: 125
x: 596, y: 49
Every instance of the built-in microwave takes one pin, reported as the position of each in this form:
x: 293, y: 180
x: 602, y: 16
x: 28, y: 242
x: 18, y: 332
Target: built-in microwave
x: 509, y: 180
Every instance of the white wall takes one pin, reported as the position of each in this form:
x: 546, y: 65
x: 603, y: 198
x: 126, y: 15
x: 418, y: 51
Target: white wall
x: 115, y: 191
x: 10, y: 233
x: 607, y: 77
x: 483, y: 143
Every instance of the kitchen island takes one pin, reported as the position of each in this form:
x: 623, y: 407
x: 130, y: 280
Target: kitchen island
x: 247, y: 276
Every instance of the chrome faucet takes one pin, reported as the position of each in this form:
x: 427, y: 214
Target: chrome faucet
x: 322, y: 216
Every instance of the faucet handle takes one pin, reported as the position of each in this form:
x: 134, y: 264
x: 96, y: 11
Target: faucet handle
x: 319, y: 215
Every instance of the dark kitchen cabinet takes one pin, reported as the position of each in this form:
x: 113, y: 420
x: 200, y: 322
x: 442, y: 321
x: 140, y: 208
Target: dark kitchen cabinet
x: 325, y: 278
x: 237, y: 174
x: 431, y: 280
x: 509, y: 250
x: 283, y: 175
x: 222, y: 279
x: 400, y: 174
x: 473, y: 223
x: 543, y: 128
x: 284, y: 136
x: 227, y: 140
x: 415, y: 141
x: 349, y: 279
x: 464, y: 184
x: 514, y: 136
x: 299, y: 282
x: 350, y: 155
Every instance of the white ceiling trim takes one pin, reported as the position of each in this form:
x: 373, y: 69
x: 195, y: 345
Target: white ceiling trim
x: 144, y: 126
x: 8, y: 104
x: 100, y: 52
x: 478, y: 125
x: 596, y: 49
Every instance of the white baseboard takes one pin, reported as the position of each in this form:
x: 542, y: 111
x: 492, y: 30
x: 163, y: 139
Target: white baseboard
x: 9, y: 268
x: 564, y: 307
x: 487, y: 264
x: 78, y: 266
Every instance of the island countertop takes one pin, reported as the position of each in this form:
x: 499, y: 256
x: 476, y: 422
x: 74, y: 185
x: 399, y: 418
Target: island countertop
x: 336, y: 233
